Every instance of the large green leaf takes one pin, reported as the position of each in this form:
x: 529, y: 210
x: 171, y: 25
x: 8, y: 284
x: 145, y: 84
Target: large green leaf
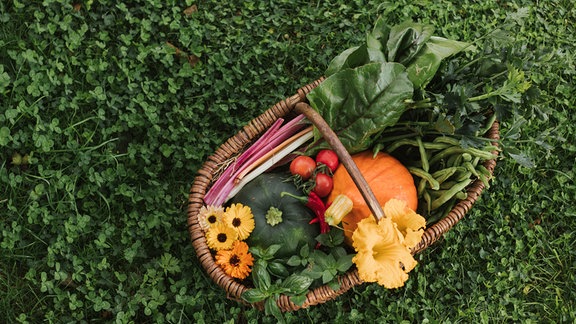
x: 359, y: 103
x: 406, y: 40
x: 424, y: 65
x: 354, y: 57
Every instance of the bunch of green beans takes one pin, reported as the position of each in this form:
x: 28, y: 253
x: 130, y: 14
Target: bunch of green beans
x: 443, y: 168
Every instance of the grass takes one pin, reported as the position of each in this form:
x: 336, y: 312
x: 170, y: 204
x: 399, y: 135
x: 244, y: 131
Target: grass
x: 103, y: 126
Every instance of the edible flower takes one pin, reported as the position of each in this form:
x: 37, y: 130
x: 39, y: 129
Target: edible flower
x: 237, y: 261
x: 210, y: 215
x: 241, y: 219
x: 221, y: 237
x: 408, y: 222
x: 381, y: 256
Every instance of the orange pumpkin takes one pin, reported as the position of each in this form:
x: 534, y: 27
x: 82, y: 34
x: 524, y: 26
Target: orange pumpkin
x: 387, y: 178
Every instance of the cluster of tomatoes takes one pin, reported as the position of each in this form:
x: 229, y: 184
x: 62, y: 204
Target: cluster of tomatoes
x: 315, y: 174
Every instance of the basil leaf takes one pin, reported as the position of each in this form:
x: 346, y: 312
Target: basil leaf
x: 297, y: 284
x: 299, y: 299
x: 344, y: 262
x: 361, y: 102
x: 254, y: 295
x: 260, y: 276
x: 278, y: 269
x: 294, y: 261
x: 272, y: 308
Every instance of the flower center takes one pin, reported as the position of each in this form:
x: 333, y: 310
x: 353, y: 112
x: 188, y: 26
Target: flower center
x: 234, y: 260
x: 222, y: 237
x: 211, y: 219
x: 236, y: 222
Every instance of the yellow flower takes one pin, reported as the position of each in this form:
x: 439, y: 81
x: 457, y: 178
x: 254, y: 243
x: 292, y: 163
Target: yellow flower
x: 381, y: 257
x: 240, y: 218
x: 221, y: 237
x: 210, y: 215
x: 408, y: 222
x: 237, y: 261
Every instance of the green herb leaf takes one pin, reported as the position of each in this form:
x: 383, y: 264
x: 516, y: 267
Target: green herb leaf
x: 271, y: 308
x: 332, y: 238
x: 298, y: 299
x: 260, y: 276
x: 254, y: 295
x: 297, y: 284
x: 278, y: 269
x: 295, y: 261
x: 344, y: 262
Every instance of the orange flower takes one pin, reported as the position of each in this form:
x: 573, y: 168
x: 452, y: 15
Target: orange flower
x: 237, y: 261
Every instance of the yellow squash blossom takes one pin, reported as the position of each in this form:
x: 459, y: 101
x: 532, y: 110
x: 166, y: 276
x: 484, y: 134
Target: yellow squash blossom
x: 381, y: 256
x: 408, y: 222
x: 237, y: 261
x: 221, y: 237
x: 241, y: 219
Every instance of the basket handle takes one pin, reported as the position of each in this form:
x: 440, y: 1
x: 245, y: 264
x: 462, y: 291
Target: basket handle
x: 344, y: 156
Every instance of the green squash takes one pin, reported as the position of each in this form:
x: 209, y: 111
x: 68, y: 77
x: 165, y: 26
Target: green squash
x: 278, y: 220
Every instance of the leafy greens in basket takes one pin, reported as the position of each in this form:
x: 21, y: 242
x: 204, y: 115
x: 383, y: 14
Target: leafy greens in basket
x: 374, y: 86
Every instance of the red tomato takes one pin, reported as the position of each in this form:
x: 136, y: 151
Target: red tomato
x: 328, y: 158
x: 303, y: 166
x: 323, y: 184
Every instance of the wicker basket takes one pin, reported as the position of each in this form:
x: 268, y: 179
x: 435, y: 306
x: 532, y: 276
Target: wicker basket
x: 239, y: 142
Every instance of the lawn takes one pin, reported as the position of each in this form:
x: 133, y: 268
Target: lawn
x: 107, y: 111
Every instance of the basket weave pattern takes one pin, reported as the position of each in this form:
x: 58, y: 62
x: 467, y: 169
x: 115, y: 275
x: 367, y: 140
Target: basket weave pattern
x: 207, y: 174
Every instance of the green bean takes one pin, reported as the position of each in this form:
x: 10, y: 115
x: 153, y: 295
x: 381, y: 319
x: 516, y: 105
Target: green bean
x: 425, y: 175
x: 461, y: 195
x: 447, y: 140
x: 411, y: 142
x: 421, y: 187
x: 448, y: 184
x: 450, y: 193
x: 428, y: 201
x: 455, y: 160
x: 463, y: 176
x: 423, y: 154
x: 470, y: 167
x: 445, y: 174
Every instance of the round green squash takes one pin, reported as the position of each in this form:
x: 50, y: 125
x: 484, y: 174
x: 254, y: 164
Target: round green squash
x: 264, y: 196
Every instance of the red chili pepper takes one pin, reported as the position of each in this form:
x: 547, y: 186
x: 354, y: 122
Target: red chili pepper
x: 315, y: 203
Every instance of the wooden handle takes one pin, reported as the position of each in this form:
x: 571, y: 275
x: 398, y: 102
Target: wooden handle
x: 344, y: 156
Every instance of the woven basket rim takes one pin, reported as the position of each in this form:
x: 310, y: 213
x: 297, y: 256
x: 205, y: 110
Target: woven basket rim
x: 236, y: 144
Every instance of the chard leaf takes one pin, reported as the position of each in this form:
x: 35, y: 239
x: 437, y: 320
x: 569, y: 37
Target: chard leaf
x: 361, y: 102
x: 425, y: 64
x: 354, y: 57
x: 406, y: 40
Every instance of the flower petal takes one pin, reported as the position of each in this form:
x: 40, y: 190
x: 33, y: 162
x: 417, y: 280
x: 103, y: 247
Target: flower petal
x: 381, y: 256
x: 409, y: 223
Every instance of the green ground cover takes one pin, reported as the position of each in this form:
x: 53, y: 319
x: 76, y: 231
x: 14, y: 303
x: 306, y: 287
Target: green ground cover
x: 107, y: 110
